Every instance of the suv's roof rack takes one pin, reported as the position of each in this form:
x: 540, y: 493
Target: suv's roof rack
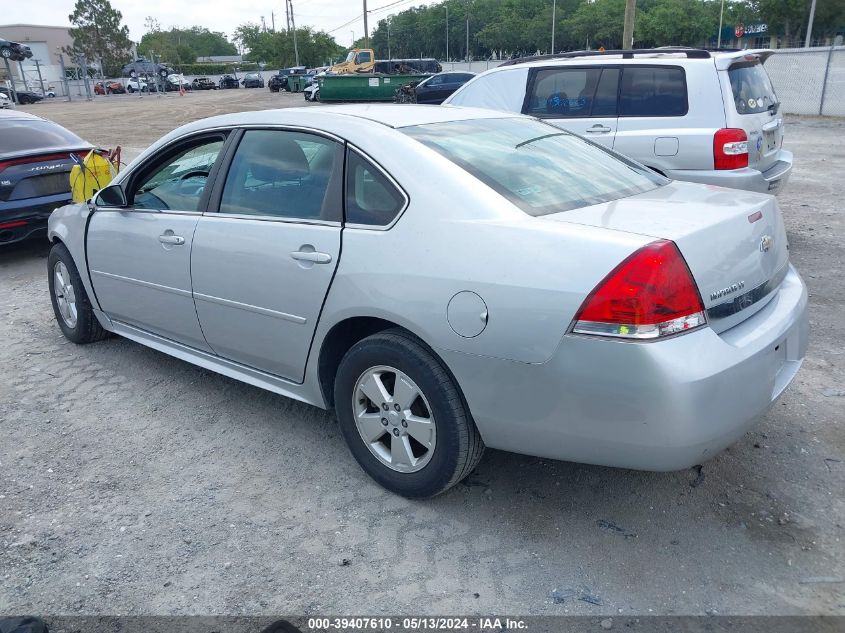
x: 692, y: 53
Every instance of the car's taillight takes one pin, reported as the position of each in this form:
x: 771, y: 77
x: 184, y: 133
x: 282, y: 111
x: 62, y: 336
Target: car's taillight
x: 730, y: 148
x: 649, y: 295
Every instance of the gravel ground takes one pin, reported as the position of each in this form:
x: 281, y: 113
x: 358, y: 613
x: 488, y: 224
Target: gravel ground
x: 134, y: 483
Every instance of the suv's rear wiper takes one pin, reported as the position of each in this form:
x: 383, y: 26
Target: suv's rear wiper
x: 774, y: 108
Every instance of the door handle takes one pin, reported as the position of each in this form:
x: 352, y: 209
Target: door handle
x: 312, y: 256
x: 171, y: 239
x: 598, y: 128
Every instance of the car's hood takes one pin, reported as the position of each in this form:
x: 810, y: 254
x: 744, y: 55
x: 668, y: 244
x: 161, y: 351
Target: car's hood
x: 733, y: 241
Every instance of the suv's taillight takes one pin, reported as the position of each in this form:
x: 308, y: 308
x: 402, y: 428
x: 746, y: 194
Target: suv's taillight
x: 649, y: 295
x: 730, y: 148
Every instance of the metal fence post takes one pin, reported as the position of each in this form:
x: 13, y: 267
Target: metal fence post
x: 824, y: 81
x: 14, y: 93
x: 64, y: 77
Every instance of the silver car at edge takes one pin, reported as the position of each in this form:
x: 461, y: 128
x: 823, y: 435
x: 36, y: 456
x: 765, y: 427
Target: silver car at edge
x: 445, y: 279
x: 689, y: 114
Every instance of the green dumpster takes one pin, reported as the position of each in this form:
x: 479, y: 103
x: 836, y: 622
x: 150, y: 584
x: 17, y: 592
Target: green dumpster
x: 369, y: 87
x: 296, y: 83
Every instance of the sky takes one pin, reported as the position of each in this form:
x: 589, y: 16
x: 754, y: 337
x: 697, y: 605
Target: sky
x: 219, y: 15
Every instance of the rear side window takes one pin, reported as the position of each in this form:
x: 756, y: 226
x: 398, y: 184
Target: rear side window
x: 653, y: 91
x: 23, y: 135
x: 563, y: 92
x: 371, y: 198
x: 752, y: 89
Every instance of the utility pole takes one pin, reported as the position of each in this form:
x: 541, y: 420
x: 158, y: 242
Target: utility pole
x: 554, y: 10
x: 293, y: 26
x: 287, y: 17
x: 628, y: 31
x: 469, y: 63
x: 389, y: 56
x: 447, y: 31
x: 721, y: 16
x: 273, y: 21
x: 810, y: 25
x: 366, y: 30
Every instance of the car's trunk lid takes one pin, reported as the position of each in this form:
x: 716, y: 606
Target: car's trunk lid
x: 733, y: 241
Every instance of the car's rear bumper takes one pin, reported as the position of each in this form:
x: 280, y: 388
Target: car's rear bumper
x: 651, y: 406
x: 22, y: 219
x: 773, y: 180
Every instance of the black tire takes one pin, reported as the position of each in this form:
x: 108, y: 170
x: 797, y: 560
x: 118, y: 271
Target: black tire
x: 459, y: 446
x: 6, y: 52
x: 87, y: 328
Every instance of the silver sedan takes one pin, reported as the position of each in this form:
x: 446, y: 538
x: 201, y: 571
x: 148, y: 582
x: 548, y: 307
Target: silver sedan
x: 445, y: 279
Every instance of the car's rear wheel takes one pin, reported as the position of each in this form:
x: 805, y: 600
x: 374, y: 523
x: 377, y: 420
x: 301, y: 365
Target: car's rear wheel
x: 71, y: 305
x: 6, y: 52
x: 403, y: 416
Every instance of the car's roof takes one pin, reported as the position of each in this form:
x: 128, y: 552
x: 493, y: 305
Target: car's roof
x: 17, y: 115
x: 673, y: 57
x: 404, y: 115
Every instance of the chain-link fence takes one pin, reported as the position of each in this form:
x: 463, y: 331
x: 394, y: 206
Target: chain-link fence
x: 809, y: 80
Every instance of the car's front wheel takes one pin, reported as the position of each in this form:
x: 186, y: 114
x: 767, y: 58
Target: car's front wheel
x: 403, y: 417
x: 71, y: 305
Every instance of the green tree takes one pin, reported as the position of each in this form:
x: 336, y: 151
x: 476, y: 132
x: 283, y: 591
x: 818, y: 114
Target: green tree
x: 277, y: 49
x: 98, y: 34
x: 180, y: 45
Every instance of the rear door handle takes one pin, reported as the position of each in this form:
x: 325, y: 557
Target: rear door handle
x: 314, y: 257
x: 171, y: 239
x: 598, y: 128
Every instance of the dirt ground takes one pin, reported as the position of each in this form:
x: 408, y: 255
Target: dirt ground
x: 134, y: 483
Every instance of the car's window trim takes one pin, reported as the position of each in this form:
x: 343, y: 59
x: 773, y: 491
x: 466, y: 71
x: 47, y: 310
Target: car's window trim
x: 369, y: 159
x: 164, y: 154
x: 216, y: 194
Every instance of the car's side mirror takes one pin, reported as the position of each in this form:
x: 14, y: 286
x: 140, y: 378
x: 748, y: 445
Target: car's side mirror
x: 111, y: 196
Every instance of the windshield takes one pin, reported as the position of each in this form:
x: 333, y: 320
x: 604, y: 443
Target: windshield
x: 26, y: 135
x: 540, y: 168
x: 752, y: 89
x: 350, y: 57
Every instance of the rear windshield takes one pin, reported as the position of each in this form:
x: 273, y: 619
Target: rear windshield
x: 540, y: 168
x: 751, y: 87
x: 25, y: 135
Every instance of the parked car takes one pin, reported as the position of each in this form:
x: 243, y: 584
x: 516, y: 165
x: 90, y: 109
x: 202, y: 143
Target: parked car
x: 134, y: 85
x: 14, y: 51
x: 689, y: 114
x: 227, y: 82
x: 253, y: 80
x: 203, y: 83
x: 141, y: 67
x: 175, y: 82
x: 6, y: 102
x: 109, y: 87
x: 25, y: 97
x: 312, y: 92
x: 35, y: 163
x: 551, y: 308
x: 436, y: 88
x: 279, y: 81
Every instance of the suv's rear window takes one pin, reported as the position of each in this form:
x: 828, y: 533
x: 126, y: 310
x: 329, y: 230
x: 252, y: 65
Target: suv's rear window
x: 25, y: 135
x: 752, y: 89
x: 653, y: 91
x: 537, y: 166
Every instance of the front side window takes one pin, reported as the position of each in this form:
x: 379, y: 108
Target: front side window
x: 653, y: 91
x: 370, y: 196
x: 179, y: 183
x: 537, y: 166
x: 283, y: 174
x: 752, y: 89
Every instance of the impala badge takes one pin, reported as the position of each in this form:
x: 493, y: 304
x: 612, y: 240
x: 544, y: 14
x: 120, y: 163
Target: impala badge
x: 718, y: 294
x: 766, y: 243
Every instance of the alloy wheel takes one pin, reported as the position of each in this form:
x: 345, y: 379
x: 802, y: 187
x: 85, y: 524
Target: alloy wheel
x: 65, y: 294
x: 394, y: 419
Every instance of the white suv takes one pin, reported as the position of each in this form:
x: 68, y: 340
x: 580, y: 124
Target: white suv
x: 690, y: 114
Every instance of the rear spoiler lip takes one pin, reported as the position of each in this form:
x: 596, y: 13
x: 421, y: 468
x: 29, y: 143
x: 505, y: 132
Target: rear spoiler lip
x: 726, y: 60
